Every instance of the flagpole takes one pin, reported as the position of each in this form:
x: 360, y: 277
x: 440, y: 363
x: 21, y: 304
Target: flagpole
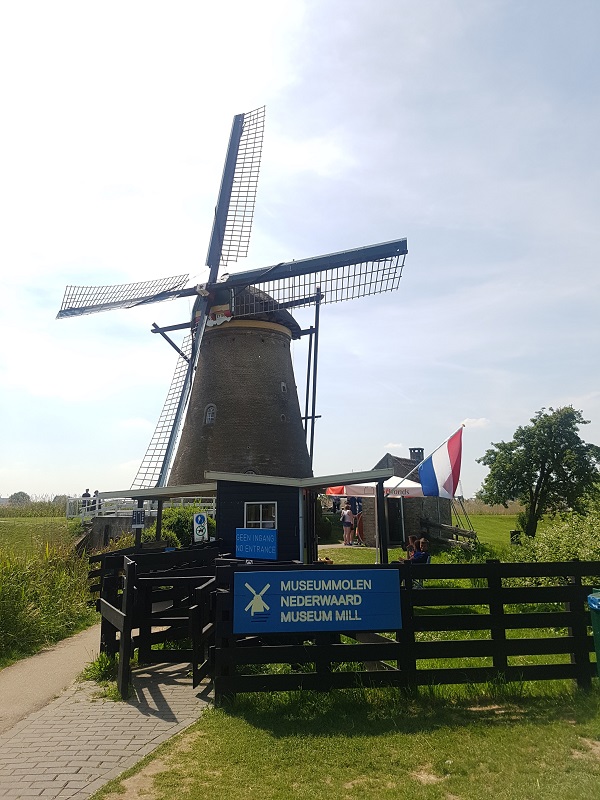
x: 462, y: 425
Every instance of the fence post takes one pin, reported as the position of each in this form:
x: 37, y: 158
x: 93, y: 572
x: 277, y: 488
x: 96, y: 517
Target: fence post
x: 144, y: 603
x: 407, y: 663
x: 223, y: 628
x: 109, y: 591
x: 580, y: 656
x: 497, y: 628
x: 223, y: 641
x: 195, y: 628
x: 124, y: 671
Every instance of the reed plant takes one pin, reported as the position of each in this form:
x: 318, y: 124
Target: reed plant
x: 42, y: 506
x: 43, y: 599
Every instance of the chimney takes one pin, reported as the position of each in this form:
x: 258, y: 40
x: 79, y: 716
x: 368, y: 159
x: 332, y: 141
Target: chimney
x: 417, y: 454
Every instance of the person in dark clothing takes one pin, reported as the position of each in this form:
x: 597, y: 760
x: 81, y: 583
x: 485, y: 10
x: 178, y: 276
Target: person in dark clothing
x: 422, y: 555
x: 411, y: 547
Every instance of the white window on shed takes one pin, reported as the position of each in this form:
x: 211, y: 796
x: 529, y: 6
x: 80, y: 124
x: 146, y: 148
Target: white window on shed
x: 260, y: 515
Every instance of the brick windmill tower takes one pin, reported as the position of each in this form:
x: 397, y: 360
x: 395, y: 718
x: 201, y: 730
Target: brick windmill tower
x: 233, y: 404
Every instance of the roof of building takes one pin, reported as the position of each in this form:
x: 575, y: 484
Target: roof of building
x: 199, y: 489
x: 401, y: 466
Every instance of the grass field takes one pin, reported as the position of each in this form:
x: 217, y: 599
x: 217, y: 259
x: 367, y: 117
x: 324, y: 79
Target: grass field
x: 27, y: 534
x: 492, y: 529
x: 359, y: 745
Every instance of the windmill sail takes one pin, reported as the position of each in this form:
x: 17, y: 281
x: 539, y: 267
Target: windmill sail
x: 229, y: 241
x: 234, y: 212
x: 346, y: 275
x: 150, y: 468
x: 79, y: 300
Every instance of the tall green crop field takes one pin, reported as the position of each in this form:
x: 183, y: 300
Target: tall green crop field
x: 29, y: 534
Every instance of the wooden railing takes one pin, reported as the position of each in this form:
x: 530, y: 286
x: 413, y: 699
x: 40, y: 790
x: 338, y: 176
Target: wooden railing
x: 146, y: 599
x: 480, y: 598
x: 465, y: 626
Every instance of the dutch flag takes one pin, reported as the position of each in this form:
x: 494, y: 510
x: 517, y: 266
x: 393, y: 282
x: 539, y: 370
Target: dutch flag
x: 439, y: 474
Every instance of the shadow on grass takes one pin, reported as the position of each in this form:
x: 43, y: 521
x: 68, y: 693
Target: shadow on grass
x: 378, y: 712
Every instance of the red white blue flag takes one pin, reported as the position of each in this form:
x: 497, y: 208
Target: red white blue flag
x: 439, y: 474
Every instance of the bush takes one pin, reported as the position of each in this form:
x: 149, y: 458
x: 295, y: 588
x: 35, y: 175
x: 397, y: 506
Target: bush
x: 75, y: 528
x: 149, y: 535
x: 479, y: 553
x: 565, y: 538
x: 176, y: 529
x: 180, y: 521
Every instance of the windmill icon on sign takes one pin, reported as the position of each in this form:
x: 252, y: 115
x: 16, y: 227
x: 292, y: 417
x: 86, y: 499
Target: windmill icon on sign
x: 233, y: 404
x: 257, y: 605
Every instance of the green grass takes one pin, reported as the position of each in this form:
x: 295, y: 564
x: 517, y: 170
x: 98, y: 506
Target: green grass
x: 28, y: 534
x: 43, y: 599
x: 494, y: 530
x: 357, y: 555
x: 361, y: 744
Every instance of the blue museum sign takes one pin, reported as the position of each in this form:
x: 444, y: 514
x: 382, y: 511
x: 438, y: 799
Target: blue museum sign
x: 256, y: 543
x: 311, y: 600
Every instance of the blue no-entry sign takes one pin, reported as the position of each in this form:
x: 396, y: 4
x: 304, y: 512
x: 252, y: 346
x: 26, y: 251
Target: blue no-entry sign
x: 258, y: 543
x: 316, y: 600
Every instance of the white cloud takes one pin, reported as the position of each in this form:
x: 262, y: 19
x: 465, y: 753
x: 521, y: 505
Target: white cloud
x: 481, y: 422
x: 485, y: 158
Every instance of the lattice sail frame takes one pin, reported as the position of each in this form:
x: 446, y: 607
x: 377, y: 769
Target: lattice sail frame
x: 79, y: 300
x: 334, y: 285
x: 238, y: 226
x: 149, y: 470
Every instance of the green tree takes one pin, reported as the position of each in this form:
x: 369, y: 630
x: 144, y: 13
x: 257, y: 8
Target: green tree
x: 19, y: 499
x: 547, y: 467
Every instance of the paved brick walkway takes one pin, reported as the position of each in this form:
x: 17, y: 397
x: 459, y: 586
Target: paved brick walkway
x: 75, y: 744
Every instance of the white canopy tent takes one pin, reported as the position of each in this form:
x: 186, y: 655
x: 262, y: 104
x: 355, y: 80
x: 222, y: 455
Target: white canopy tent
x: 392, y: 487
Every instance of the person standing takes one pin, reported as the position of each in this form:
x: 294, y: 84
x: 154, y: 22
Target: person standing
x: 347, y: 518
x: 85, y: 499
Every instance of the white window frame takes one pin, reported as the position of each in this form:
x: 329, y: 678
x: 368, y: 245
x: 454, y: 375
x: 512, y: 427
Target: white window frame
x: 260, y: 503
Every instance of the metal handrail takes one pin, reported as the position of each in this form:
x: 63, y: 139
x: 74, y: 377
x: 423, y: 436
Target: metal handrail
x: 90, y: 507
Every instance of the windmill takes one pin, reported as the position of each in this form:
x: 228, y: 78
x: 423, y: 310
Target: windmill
x: 234, y: 383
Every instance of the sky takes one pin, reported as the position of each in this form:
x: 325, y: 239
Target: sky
x: 469, y: 127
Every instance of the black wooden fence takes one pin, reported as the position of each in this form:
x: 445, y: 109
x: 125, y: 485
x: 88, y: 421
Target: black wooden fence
x: 150, y: 599
x: 480, y: 598
x: 465, y: 625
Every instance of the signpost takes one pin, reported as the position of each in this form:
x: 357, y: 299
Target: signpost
x: 289, y: 601
x: 138, y: 518
x: 254, y: 543
x: 200, y: 528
